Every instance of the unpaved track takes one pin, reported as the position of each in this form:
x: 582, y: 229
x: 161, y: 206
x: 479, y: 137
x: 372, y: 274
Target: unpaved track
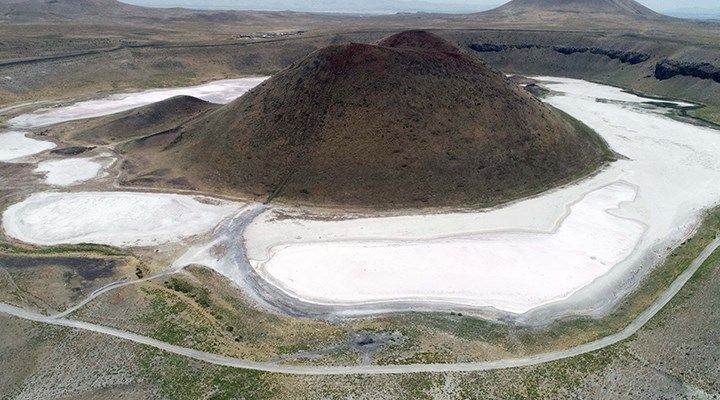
x: 631, y: 329
x: 241, y: 219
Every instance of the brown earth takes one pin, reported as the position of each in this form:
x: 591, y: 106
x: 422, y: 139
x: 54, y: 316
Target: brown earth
x: 418, y: 124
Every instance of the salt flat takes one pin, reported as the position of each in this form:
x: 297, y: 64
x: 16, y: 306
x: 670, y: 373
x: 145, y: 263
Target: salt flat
x: 71, y: 171
x: 112, y: 218
x: 15, y: 145
x: 223, y: 91
x: 512, y: 258
x: 513, y: 271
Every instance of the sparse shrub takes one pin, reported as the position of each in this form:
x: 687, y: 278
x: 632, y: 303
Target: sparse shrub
x: 201, y: 296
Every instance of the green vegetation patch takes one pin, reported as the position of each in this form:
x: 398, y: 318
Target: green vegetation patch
x: 204, y: 312
x: 174, y: 321
x: 64, y: 249
x: 179, y: 379
x: 199, y: 294
x: 419, y: 386
x: 708, y: 114
x: 51, y: 279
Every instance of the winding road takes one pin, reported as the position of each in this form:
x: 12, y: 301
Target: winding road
x: 211, y: 358
x: 241, y: 218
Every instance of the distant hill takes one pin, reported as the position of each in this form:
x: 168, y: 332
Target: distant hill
x: 65, y: 9
x: 116, y: 12
x: 695, y: 13
x: 408, y: 122
x: 336, y: 6
x: 624, y: 8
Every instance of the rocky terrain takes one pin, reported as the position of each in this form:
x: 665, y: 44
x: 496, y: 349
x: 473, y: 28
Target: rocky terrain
x: 626, y: 57
x: 668, y: 69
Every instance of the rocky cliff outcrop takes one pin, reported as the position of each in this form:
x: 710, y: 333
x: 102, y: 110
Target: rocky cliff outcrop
x: 625, y: 57
x: 667, y: 69
x: 490, y: 47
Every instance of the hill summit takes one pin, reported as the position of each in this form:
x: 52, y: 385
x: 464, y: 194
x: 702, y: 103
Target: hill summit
x: 626, y: 8
x: 410, y: 121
